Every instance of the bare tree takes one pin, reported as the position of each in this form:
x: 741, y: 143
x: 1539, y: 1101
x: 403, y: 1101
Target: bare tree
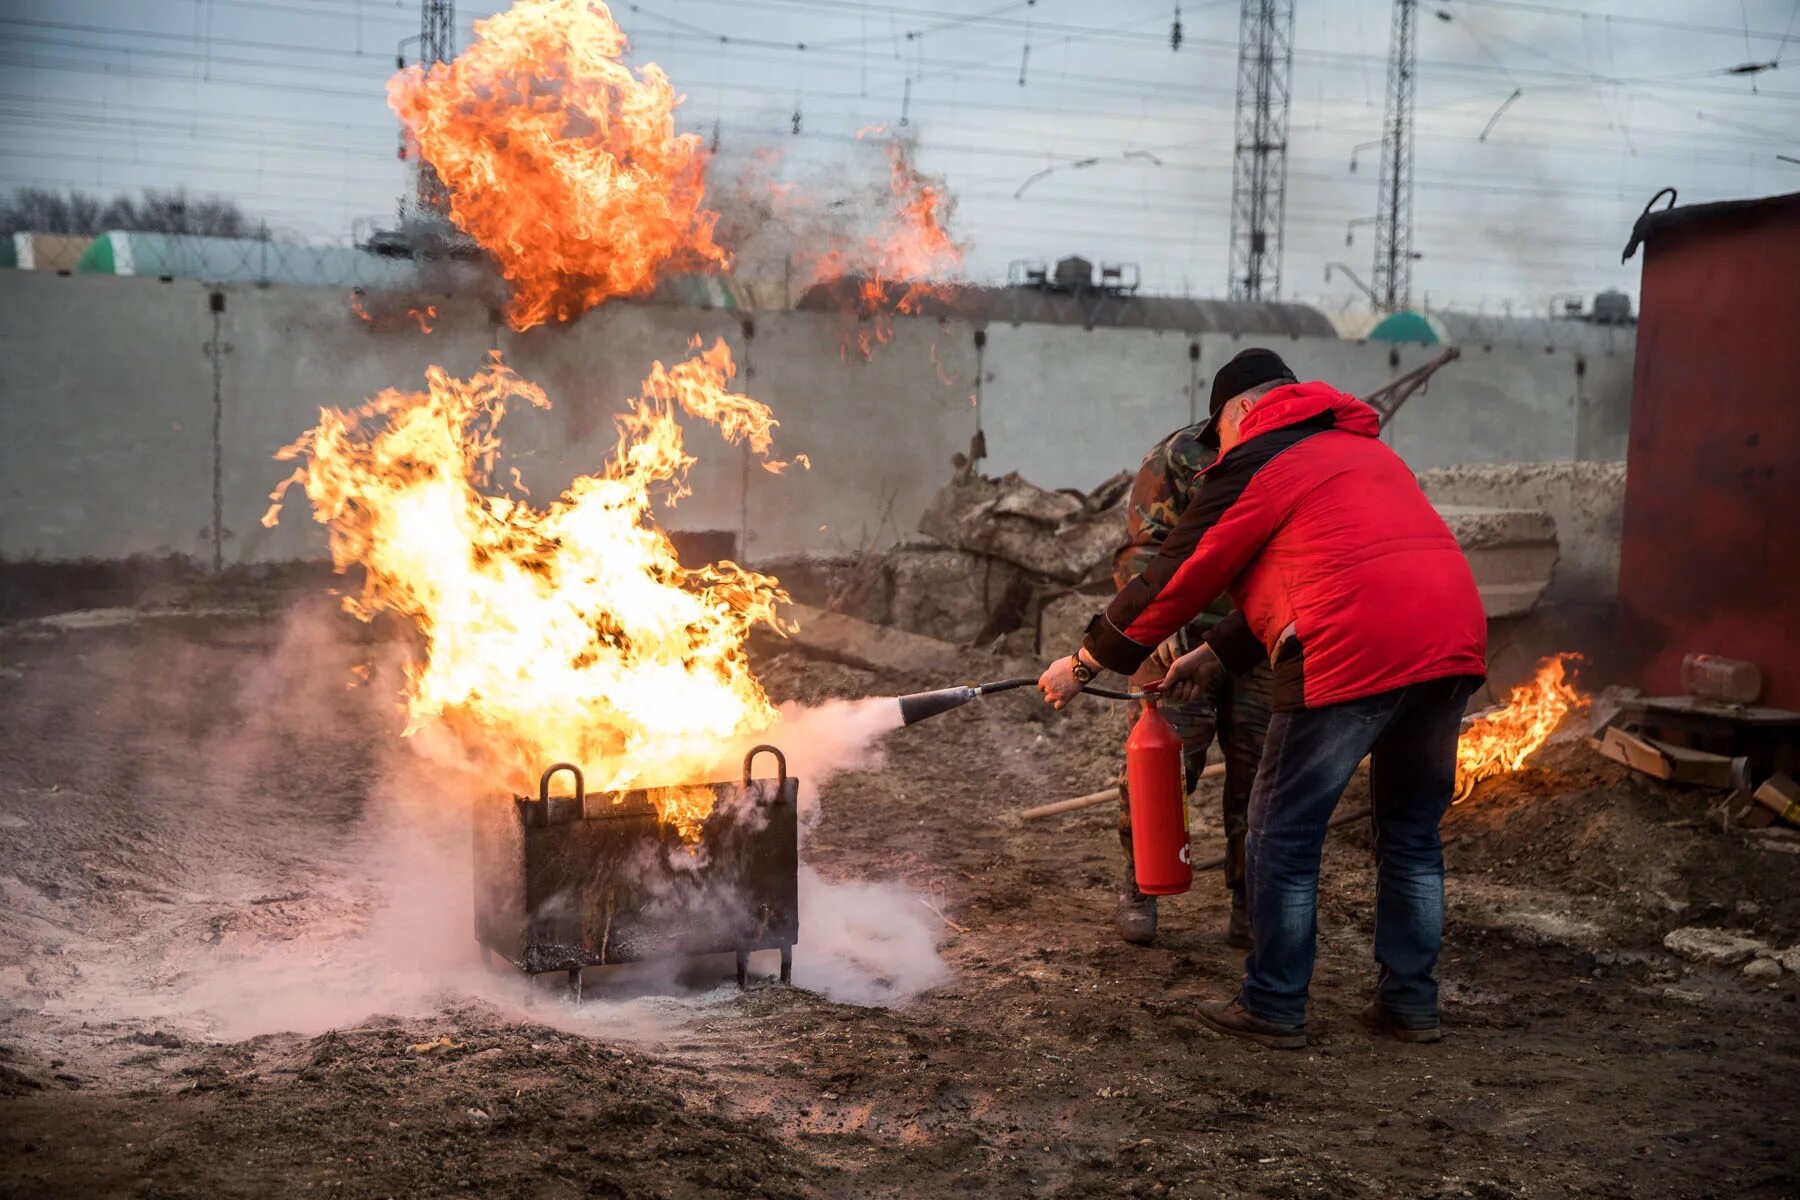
x: 41, y: 210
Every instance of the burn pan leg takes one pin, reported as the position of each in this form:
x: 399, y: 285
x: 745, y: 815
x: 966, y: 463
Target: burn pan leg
x: 787, y: 963
x: 575, y: 985
x: 743, y: 969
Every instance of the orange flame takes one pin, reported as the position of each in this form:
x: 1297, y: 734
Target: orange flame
x: 1499, y: 742
x: 559, y: 160
x: 905, y: 261
x: 569, y: 632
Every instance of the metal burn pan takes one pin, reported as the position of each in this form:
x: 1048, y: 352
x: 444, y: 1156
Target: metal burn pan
x: 566, y: 882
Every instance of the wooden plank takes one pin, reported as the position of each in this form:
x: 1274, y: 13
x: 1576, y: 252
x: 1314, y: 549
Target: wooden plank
x: 1634, y: 752
x: 1661, y: 760
x: 1093, y: 798
x: 1687, y: 765
x: 1780, y: 796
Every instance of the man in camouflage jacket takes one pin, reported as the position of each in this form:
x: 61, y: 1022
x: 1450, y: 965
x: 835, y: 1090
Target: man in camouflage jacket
x: 1236, y: 708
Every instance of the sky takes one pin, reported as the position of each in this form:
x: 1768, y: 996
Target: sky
x: 280, y: 105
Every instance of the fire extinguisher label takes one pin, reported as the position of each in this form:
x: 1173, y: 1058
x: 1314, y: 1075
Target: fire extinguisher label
x: 1183, y: 856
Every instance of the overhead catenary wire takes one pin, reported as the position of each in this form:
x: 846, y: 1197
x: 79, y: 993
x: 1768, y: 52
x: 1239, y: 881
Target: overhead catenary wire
x: 278, y: 67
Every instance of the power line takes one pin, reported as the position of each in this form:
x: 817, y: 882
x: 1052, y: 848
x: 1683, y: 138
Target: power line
x: 1426, y: 68
x: 1610, y: 18
x: 700, y: 34
x: 1462, y: 181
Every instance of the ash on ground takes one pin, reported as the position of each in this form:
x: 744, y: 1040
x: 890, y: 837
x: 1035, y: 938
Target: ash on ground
x: 188, y: 800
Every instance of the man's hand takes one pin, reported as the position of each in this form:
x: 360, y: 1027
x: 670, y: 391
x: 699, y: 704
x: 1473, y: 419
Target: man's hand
x: 1191, y: 675
x: 1058, y: 682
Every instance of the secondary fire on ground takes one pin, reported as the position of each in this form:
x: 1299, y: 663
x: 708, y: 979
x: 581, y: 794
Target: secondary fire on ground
x: 1499, y: 742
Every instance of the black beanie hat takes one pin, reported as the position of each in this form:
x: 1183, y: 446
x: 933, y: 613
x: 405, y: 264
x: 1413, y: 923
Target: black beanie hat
x: 1245, y: 371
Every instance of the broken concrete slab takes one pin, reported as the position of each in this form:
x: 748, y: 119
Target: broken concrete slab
x: 860, y: 586
x: 1065, y: 536
x: 1512, y: 552
x: 1713, y: 947
x: 954, y: 595
x: 844, y: 639
x: 1070, y: 537
x: 1585, y: 500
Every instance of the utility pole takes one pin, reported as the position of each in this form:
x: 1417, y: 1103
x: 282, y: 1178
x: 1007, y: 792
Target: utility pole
x: 1259, y: 167
x: 1393, y: 218
x: 437, y: 43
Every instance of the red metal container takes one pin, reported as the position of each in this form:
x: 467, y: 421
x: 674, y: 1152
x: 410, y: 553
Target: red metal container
x: 1159, y: 836
x: 1707, y: 561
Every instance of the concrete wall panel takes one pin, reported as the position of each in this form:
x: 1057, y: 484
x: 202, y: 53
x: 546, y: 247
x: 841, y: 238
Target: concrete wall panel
x: 291, y: 352
x: 1490, y: 406
x: 590, y: 370
x: 880, y: 432
x: 106, y: 446
x: 1068, y: 407
x: 106, y: 417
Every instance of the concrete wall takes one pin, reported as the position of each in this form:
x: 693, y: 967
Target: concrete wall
x: 108, y: 446
x: 1067, y: 407
x: 106, y: 449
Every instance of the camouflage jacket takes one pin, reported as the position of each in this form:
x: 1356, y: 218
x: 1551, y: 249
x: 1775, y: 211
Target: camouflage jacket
x: 1165, y: 484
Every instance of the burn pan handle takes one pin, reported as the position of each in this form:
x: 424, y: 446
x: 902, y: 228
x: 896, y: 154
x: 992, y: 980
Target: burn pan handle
x: 780, y: 763
x: 580, y: 783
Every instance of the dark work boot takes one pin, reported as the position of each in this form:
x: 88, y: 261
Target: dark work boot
x: 1237, y: 929
x: 1234, y: 1020
x: 1135, y: 917
x: 1403, y: 1026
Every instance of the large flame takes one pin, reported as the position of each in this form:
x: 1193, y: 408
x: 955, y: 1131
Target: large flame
x: 568, y: 632
x: 559, y: 160
x: 1500, y: 741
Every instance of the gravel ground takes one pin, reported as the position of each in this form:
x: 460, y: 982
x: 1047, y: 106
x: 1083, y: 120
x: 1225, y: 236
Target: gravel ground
x: 236, y: 962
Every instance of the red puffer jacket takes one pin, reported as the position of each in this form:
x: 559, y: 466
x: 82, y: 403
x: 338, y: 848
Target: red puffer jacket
x: 1311, y: 523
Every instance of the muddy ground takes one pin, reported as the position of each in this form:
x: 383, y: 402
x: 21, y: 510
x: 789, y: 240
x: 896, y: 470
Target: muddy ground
x: 186, y: 817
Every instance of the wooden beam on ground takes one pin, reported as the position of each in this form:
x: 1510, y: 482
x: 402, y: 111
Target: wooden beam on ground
x: 1093, y: 798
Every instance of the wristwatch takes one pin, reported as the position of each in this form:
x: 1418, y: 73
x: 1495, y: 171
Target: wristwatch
x: 1083, y: 673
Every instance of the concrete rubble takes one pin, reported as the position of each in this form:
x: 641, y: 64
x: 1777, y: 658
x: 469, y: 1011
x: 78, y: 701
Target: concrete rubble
x: 954, y: 595
x: 1009, y: 559
x: 1512, y: 552
x: 1065, y: 536
x: 1054, y: 540
x: 1712, y: 947
x: 1584, y: 500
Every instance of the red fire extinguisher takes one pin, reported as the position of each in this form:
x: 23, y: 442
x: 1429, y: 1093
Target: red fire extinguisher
x: 1159, y: 837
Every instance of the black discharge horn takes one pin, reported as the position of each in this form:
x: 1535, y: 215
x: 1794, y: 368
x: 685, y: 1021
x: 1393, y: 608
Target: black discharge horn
x: 919, y: 705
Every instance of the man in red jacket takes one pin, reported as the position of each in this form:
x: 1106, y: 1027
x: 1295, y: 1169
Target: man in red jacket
x: 1350, y: 584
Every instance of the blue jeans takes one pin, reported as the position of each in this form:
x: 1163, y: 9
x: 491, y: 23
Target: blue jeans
x: 1410, y: 733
